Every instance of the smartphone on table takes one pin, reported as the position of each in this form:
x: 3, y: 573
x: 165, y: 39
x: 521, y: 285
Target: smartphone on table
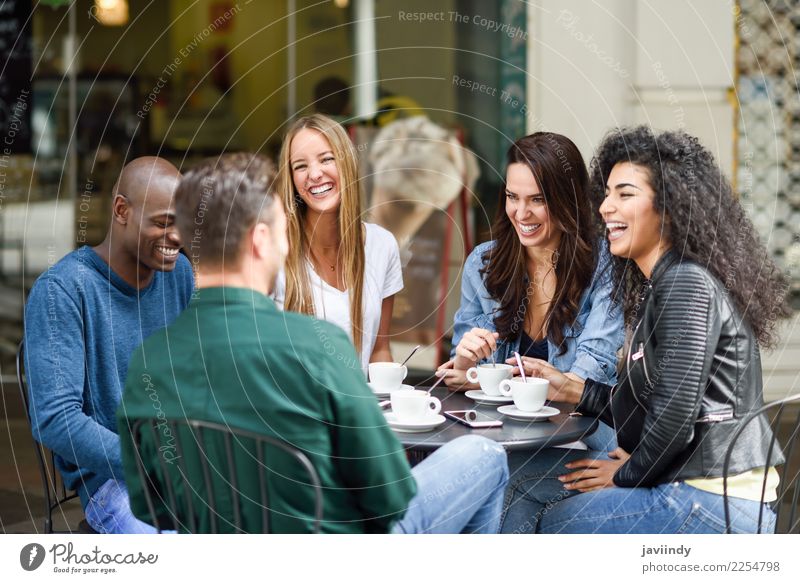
x: 474, y: 419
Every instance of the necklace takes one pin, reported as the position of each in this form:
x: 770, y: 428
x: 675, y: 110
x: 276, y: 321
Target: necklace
x: 319, y: 261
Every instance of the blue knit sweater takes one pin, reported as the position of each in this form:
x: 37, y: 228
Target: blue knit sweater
x: 82, y: 323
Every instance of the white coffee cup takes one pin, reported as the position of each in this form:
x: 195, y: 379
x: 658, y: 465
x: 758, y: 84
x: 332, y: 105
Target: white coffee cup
x: 529, y: 395
x: 489, y: 377
x: 411, y: 406
x: 387, y: 376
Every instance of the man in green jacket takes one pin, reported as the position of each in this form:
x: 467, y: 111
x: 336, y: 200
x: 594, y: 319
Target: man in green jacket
x: 233, y: 358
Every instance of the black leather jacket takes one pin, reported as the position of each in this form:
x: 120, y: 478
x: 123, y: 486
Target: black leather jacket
x: 692, y: 372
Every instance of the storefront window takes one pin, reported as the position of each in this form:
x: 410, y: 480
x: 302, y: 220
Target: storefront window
x: 189, y: 80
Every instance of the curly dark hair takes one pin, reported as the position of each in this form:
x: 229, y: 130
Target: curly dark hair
x: 559, y: 170
x: 706, y: 224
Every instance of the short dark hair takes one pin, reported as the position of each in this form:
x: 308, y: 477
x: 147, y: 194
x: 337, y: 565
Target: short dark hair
x: 331, y: 96
x: 219, y: 201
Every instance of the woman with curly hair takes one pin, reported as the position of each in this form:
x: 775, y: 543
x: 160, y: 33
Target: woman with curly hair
x: 700, y: 294
x: 339, y: 268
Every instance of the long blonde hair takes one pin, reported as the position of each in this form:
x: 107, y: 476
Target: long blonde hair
x: 351, y: 238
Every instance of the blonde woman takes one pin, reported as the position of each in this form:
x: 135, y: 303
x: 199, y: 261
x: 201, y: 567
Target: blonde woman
x: 339, y: 269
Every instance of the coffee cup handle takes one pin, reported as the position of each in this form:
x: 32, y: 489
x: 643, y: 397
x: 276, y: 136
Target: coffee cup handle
x: 505, y: 388
x: 435, y: 404
x: 472, y: 375
x: 405, y: 372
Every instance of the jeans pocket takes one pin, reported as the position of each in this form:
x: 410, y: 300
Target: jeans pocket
x: 702, y: 521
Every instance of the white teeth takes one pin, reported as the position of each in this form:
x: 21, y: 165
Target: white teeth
x: 320, y: 189
x: 615, y: 230
x: 527, y: 229
x: 167, y: 252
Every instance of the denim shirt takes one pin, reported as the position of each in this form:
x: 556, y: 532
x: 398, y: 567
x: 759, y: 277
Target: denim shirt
x: 591, y: 342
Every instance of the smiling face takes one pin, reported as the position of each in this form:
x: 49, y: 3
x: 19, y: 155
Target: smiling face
x: 143, y: 236
x: 633, y: 225
x: 527, y: 210
x: 314, y: 171
x: 151, y: 236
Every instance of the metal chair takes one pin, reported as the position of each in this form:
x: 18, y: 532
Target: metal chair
x: 223, y: 463
x: 54, y: 491
x: 789, y: 488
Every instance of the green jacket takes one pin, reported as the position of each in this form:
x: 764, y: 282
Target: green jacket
x: 233, y: 358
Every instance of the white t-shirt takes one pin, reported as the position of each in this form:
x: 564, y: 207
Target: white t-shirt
x: 383, y: 277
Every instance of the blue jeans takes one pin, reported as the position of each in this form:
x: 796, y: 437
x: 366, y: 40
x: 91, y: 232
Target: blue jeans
x: 109, y: 511
x: 666, y: 509
x: 459, y: 489
x: 533, y: 486
x: 537, y: 502
x: 603, y: 439
x: 532, y: 478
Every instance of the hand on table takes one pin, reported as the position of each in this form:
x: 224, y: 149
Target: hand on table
x: 594, y: 474
x: 456, y: 380
x: 564, y: 387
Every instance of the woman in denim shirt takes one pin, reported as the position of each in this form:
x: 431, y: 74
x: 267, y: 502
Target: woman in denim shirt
x: 542, y: 288
x: 543, y: 281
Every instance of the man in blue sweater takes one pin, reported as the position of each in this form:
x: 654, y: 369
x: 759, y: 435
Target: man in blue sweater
x: 84, y: 317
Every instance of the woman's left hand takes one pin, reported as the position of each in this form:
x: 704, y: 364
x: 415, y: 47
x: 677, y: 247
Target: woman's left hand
x: 594, y: 474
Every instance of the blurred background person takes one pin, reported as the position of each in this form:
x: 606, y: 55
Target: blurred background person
x: 332, y: 98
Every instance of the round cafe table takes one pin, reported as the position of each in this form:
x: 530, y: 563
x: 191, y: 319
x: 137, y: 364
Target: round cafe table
x: 513, y: 435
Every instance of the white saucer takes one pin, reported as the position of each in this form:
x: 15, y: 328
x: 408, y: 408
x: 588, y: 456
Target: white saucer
x: 540, y: 415
x: 414, y: 426
x: 385, y: 393
x: 483, y: 399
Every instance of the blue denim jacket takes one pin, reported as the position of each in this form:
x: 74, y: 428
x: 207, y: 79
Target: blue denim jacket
x: 592, y: 341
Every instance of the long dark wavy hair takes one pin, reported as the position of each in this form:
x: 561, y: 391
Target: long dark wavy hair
x: 705, y: 223
x: 561, y: 174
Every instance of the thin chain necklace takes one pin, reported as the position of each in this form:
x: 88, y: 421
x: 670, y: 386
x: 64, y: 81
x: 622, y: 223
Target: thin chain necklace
x: 530, y: 295
x: 320, y: 262
x: 324, y: 264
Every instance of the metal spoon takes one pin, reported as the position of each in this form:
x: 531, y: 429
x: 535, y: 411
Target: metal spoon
x: 417, y: 347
